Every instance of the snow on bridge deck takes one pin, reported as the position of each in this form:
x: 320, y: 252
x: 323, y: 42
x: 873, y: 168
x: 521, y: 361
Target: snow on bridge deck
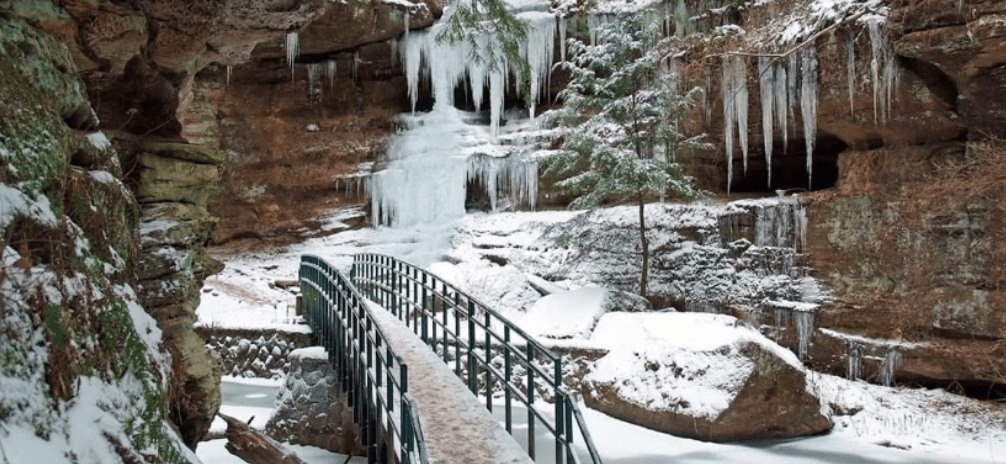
x: 457, y: 427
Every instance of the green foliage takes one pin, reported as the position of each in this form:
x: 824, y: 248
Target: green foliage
x: 54, y: 323
x: 621, y: 115
x: 474, y: 18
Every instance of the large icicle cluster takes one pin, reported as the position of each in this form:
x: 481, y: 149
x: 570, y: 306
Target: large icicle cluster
x: 782, y: 84
x: 515, y: 175
x: 883, y: 71
x: 447, y: 65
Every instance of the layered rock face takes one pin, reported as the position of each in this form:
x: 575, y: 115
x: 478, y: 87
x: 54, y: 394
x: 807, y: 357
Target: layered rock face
x: 77, y: 346
x: 138, y: 61
x: 908, y: 116
x: 296, y: 134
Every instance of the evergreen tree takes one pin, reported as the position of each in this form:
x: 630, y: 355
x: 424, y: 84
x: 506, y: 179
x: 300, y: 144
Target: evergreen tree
x: 620, y: 116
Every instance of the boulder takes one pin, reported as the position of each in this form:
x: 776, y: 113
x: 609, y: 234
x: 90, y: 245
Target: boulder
x: 702, y: 376
x: 574, y: 313
x: 311, y: 409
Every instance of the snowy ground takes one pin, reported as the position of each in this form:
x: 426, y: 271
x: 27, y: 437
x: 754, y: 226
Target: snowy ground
x: 872, y: 423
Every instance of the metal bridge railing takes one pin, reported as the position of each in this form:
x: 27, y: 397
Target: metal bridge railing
x: 372, y: 376
x: 444, y: 316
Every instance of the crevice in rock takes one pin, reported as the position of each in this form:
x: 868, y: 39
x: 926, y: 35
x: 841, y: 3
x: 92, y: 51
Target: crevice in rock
x: 937, y: 81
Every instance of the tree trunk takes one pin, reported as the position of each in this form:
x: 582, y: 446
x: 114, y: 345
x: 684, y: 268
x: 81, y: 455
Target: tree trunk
x: 255, y: 447
x: 644, y: 244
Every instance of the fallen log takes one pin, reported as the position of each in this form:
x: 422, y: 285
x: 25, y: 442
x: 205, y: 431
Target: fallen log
x: 255, y: 447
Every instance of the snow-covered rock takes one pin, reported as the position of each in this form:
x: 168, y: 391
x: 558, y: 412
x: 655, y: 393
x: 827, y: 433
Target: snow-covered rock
x: 311, y: 409
x: 703, y: 376
x: 574, y: 313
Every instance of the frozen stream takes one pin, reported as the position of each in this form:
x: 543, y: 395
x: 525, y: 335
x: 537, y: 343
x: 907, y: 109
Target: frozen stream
x: 617, y: 441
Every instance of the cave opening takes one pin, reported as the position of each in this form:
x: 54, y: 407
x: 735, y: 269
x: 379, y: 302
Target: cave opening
x: 982, y: 391
x: 789, y: 167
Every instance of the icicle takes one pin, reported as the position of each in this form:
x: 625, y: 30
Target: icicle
x: 407, y: 17
x: 229, y: 70
x: 766, y: 73
x: 729, y: 116
x: 875, y: 45
x: 330, y: 73
x: 313, y: 83
x: 804, y: 321
x: 854, y: 360
x: 681, y: 18
x: 592, y: 28
x: 782, y: 103
x: 292, y: 50
x: 890, y: 363
x: 793, y: 83
x: 851, y: 72
x: 496, y: 87
x: 538, y: 49
x: 808, y: 106
x: 562, y: 39
x: 356, y: 64
x: 741, y: 102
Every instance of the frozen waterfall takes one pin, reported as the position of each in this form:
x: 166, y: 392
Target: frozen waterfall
x: 440, y: 155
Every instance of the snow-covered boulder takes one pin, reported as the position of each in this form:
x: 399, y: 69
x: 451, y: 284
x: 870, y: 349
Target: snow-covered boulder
x: 574, y: 313
x: 700, y: 375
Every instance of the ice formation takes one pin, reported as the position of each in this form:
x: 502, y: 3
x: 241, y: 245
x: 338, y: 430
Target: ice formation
x: 808, y: 105
x: 314, y: 83
x: 888, y: 365
x: 735, y: 110
x: 446, y: 65
x: 292, y: 50
x: 513, y: 174
x: 431, y: 164
x: 330, y: 73
x: 230, y: 69
x: 854, y: 360
x: 851, y: 71
x: 883, y: 71
x: 766, y: 80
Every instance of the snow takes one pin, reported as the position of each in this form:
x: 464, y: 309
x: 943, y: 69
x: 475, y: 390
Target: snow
x: 567, y: 314
x: 14, y: 202
x: 449, y: 414
x: 99, y: 140
x: 701, y: 351
x: 940, y: 428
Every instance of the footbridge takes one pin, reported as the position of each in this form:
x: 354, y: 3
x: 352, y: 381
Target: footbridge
x: 435, y: 376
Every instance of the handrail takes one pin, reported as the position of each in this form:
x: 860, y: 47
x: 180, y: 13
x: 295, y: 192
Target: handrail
x: 371, y: 375
x: 466, y: 326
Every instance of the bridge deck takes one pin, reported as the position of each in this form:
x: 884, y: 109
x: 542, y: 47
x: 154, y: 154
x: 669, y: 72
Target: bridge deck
x: 457, y: 427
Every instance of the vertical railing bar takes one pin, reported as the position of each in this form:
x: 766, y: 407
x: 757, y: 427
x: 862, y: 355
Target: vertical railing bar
x: 507, y: 377
x: 530, y: 401
x: 471, y: 346
x: 489, y: 378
